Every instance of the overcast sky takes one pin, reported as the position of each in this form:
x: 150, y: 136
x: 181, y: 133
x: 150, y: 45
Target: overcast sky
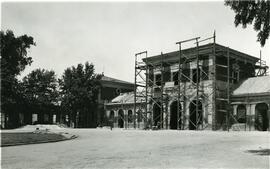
x: 108, y: 34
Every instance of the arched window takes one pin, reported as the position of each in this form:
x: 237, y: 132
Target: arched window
x: 174, y: 119
x: 261, y: 118
x: 120, y: 118
x: 241, y: 113
x: 130, y: 116
x: 158, y: 79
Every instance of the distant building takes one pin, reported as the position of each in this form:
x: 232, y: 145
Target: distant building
x: 120, y: 112
x: 109, y: 88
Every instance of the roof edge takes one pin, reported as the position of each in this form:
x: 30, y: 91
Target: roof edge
x: 237, y: 52
x: 251, y: 94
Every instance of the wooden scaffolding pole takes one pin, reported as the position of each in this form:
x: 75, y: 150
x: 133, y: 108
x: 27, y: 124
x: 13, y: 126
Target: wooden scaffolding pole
x: 162, y: 99
x: 179, y: 88
x: 228, y: 90
x: 197, y: 85
x: 214, y: 113
x: 135, y: 92
x: 146, y: 86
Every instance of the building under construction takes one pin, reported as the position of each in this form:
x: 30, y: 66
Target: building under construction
x: 201, y: 87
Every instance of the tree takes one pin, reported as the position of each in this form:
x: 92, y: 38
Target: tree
x: 256, y: 12
x: 79, y: 90
x: 40, y: 93
x: 14, y: 59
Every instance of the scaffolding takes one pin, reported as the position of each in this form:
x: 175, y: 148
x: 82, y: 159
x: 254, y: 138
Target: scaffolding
x: 141, y: 85
x: 152, y: 88
x: 262, y: 68
x: 196, y: 83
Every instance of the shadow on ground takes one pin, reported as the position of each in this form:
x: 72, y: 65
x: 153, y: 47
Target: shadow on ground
x: 262, y: 152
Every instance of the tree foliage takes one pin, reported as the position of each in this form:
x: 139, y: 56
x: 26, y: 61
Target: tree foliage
x: 14, y: 59
x: 79, y: 90
x: 40, y: 92
x: 41, y: 87
x: 256, y: 12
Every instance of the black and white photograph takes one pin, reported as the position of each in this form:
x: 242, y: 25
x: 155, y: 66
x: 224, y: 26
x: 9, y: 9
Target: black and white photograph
x: 135, y: 84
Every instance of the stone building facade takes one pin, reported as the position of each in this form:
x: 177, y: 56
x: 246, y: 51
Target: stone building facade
x: 200, y: 97
x: 120, y: 112
x: 109, y: 89
x: 251, y: 103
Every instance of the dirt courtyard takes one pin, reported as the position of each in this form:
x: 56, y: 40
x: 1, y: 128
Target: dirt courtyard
x: 102, y: 148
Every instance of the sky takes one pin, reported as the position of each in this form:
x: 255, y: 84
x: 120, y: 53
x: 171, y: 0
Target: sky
x: 108, y: 34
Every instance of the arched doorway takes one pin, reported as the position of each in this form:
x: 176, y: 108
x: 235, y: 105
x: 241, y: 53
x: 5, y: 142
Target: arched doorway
x: 173, y: 115
x: 241, y: 113
x: 194, y: 118
x: 121, y: 118
x: 261, y: 117
x: 157, y: 114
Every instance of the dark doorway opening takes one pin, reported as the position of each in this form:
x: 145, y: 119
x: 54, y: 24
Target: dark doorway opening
x: 130, y: 116
x: 195, y: 118
x: 112, y: 115
x: 261, y: 119
x: 157, y: 114
x: 173, y: 115
x: 139, y: 114
x: 121, y: 118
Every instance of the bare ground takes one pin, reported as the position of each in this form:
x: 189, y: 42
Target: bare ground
x: 102, y: 148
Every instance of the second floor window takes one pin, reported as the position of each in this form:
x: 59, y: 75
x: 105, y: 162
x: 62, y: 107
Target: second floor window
x: 175, y: 77
x: 158, y: 79
x: 195, y: 76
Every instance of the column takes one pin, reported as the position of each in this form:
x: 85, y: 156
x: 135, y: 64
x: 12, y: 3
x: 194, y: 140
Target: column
x: 115, y: 119
x: 186, y: 121
x: 252, y: 116
x: 125, y: 119
x: 165, y: 111
x: 235, y: 109
x: 208, y: 115
x: 248, y: 117
x: 107, y: 113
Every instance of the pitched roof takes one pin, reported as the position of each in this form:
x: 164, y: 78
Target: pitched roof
x: 109, y: 79
x: 126, y: 98
x: 254, y: 86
